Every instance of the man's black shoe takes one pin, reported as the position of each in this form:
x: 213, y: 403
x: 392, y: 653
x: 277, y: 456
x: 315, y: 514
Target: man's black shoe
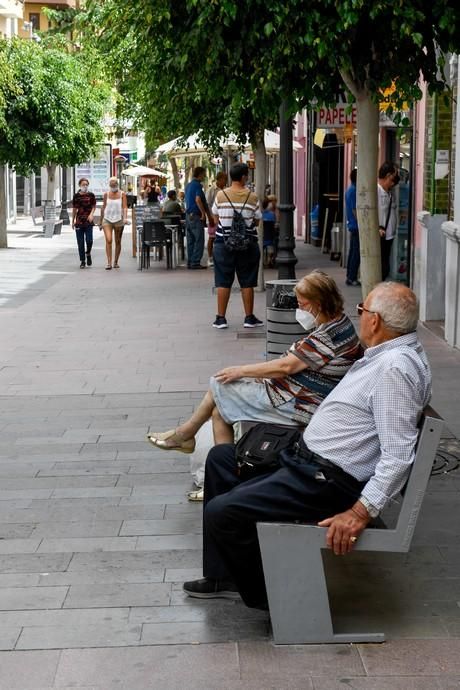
x: 208, y: 588
x: 197, y: 267
x: 89, y: 260
x: 82, y: 265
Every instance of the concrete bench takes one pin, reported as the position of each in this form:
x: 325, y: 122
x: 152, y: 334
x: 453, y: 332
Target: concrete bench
x: 37, y: 213
x: 293, y: 564
x: 48, y: 221
x: 52, y: 227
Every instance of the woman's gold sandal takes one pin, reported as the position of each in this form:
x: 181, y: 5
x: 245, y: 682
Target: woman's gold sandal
x: 196, y: 496
x: 158, y: 439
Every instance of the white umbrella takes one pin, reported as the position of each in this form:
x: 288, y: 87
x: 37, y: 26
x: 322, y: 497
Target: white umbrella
x: 140, y: 170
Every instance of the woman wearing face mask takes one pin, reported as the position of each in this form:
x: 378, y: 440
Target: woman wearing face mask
x: 286, y: 390
x: 83, y: 207
x: 114, y: 216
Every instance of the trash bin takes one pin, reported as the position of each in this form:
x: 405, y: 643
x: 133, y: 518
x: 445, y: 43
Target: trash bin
x: 282, y: 327
x: 336, y: 243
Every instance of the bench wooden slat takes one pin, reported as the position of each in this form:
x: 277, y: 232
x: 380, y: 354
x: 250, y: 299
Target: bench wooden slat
x: 293, y: 564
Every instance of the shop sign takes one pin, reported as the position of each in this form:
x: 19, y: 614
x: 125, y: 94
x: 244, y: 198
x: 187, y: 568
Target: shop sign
x: 337, y: 117
x: 97, y: 171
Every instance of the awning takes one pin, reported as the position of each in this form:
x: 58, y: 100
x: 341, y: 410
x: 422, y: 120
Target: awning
x: 193, y: 145
x: 141, y: 170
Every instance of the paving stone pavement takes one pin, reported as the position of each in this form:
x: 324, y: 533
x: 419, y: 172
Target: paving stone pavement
x: 96, y: 535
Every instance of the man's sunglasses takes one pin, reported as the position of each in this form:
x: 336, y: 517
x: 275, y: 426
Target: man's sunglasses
x: 360, y: 308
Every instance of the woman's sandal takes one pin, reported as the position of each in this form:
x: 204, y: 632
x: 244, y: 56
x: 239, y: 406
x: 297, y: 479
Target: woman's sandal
x: 108, y: 267
x: 196, y: 496
x: 116, y: 266
x: 158, y: 439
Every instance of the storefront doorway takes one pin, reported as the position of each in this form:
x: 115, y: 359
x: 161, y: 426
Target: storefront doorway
x: 398, y: 148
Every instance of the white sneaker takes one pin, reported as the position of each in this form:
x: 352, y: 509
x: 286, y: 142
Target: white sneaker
x: 210, y: 263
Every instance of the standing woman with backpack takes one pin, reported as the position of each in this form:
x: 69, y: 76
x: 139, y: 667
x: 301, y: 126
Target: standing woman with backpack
x: 236, y: 249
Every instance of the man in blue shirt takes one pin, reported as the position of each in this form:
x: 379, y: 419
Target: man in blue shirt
x: 196, y: 212
x: 352, y: 225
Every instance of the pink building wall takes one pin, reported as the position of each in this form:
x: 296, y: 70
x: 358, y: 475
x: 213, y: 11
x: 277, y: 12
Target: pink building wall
x: 300, y: 159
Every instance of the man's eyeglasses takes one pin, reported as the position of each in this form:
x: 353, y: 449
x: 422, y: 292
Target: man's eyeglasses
x: 360, y: 308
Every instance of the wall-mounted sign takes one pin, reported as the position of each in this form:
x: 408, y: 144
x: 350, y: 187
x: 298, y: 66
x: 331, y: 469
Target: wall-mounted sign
x: 336, y: 117
x: 441, y: 166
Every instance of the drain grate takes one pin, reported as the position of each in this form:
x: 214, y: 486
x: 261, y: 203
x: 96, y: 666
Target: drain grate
x: 447, y: 458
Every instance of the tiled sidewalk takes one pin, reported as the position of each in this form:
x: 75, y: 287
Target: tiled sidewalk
x: 96, y: 536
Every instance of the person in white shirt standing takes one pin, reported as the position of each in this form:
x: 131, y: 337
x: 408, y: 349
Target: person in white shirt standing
x: 388, y: 179
x: 114, y: 216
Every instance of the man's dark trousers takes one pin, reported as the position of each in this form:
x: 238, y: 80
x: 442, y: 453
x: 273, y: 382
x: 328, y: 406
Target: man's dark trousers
x: 84, y: 232
x: 195, y: 239
x: 232, y: 508
x: 385, y: 249
x: 354, y: 257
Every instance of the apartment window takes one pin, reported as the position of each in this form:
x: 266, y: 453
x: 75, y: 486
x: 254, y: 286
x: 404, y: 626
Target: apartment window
x: 34, y: 19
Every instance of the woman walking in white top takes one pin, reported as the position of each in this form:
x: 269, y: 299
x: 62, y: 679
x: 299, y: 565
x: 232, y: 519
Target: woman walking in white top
x: 114, y: 215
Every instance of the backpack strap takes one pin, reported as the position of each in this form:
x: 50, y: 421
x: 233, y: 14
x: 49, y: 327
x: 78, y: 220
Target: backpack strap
x: 234, y: 209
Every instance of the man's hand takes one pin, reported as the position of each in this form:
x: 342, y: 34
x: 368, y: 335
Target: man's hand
x: 229, y: 374
x: 345, y: 528
x: 382, y: 232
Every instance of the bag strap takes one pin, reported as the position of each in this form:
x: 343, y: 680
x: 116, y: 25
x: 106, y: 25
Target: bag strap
x: 389, y: 212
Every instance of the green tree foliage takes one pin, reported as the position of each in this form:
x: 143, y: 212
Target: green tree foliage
x: 52, y: 103
x: 54, y: 115
x: 220, y: 65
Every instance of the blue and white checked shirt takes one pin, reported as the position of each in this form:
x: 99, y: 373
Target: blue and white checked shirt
x: 368, y: 424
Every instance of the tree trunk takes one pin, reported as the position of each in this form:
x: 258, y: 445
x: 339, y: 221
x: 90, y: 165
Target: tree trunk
x: 366, y: 191
x: 51, y: 186
x: 175, y: 173
x: 260, y: 156
x: 3, y: 219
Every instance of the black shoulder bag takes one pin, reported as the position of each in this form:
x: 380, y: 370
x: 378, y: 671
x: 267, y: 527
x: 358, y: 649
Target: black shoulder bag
x: 257, y: 451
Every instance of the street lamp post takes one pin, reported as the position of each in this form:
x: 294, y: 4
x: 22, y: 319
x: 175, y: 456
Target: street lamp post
x: 286, y: 259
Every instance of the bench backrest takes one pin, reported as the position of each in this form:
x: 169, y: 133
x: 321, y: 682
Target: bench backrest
x: 37, y: 212
x: 399, y: 538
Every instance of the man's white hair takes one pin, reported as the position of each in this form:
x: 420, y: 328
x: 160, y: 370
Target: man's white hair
x: 397, y: 305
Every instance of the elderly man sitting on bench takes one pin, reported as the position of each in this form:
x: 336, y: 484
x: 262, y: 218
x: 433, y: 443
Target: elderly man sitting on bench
x: 355, y: 456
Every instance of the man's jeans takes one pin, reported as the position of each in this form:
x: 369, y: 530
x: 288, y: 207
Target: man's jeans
x: 84, y: 232
x: 195, y: 239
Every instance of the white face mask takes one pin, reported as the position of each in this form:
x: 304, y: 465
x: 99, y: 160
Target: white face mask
x: 114, y: 188
x: 84, y: 188
x: 306, y: 319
